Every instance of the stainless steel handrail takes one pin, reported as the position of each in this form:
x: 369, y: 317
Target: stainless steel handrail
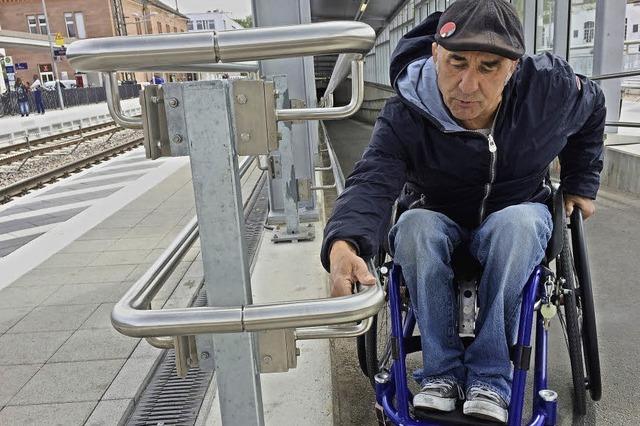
x: 171, y: 50
x: 114, y: 53
x: 613, y: 75
x: 113, y: 103
x: 332, y: 113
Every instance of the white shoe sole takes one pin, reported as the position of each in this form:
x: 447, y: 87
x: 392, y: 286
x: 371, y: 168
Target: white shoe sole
x: 485, y: 410
x: 430, y: 402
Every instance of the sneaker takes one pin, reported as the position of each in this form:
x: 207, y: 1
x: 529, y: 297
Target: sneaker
x: 485, y: 404
x: 439, y: 394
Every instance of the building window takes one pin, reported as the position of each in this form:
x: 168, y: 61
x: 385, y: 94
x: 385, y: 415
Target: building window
x: 200, y: 25
x: 635, y: 28
x: 175, y: 29
x: 70, y: 23
x: 168, y: 28
x: 589, y: 27
x: 625, y: 28
x: 159, y: 28
x: 575, y: 33
x: 31, y: 22
x: 190, y: 25
x: 82, y: 33
x: 42, y: 24
x: 138, y: 26
x: 212, y: 25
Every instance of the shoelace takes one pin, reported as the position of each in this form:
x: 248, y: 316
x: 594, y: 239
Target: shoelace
x: 437, y: 383
x: 485, y: 393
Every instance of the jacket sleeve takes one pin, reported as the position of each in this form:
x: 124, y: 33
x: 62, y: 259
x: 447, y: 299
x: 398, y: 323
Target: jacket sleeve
x: 581, y: 160
x: 362, y: 212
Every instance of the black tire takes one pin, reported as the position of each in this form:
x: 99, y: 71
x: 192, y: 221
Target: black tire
x: 586, y: 303
x: 572, y: 324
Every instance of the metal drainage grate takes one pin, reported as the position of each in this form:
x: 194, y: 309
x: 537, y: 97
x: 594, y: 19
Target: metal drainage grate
x: 169, y: 399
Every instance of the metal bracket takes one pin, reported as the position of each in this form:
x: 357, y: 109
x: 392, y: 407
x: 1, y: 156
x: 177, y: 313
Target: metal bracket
x: 304, y: 189
x: 297, y: 104
x: 467, y: 298
x: 154, y: 122
x: 254, y: 112
x: 278, y: 352
x: 275, y: 165
x: 186, y: 354
x: 281, y: 235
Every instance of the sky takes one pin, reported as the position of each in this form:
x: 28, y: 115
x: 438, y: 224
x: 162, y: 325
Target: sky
x: 235, y: 8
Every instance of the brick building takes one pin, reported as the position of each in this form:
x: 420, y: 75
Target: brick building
x: 79, y: 19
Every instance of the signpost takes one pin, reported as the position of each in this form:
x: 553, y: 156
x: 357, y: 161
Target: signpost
x: 11, y: 72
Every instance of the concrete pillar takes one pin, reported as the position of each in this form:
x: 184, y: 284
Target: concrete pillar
x: 301, y: 81
x: 608, y: 52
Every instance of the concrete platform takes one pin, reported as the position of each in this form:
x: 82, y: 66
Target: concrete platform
x: 61, y: 362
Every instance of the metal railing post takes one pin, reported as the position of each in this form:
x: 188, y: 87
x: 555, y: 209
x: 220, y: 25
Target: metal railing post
x: 208, y: 130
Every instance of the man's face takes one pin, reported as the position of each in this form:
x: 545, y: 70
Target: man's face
x: 471, y: 84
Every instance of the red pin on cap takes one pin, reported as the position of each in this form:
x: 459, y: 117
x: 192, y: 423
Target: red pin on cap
x: 447, y: 29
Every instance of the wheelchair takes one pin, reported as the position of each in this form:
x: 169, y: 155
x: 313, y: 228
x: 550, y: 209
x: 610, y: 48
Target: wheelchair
x: 560, y: 286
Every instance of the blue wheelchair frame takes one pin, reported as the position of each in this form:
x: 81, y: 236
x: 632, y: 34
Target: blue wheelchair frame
x: 395, y: 382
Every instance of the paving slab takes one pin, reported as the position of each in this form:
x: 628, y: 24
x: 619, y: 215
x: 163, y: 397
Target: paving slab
x: 10, y: 316
x: 54, y: 318
x: 30, y: 348
x: 76, y: 260
x: 13, y: 378
x: 80, y: 294
x: 131, y: 379
x: 68, y: 382
x: 94, y: 344
x: 91, y: 245
x: 110, y: 413
x: 19, y: 297
x: 121, y: 257
x: 101, y: 318
x: 134, y: 243
x: 47, y: 414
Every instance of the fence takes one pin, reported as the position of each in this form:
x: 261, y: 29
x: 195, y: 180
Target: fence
x: 71, y: 97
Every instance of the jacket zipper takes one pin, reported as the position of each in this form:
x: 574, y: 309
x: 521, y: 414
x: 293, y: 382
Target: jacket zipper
x: 492, y: 174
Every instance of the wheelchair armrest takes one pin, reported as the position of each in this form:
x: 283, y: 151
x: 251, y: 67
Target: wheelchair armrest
x: 556, y: 205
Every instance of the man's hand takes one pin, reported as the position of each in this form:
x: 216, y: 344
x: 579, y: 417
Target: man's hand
x: 347, y: 268
x: 587, y: 205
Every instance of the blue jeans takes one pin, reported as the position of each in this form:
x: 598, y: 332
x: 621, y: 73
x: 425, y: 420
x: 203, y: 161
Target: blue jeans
x: 39, y: 104
x: 509, y: 244
x: 24, y: 107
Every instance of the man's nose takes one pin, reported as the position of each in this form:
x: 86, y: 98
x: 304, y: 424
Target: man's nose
x: 468, y: 82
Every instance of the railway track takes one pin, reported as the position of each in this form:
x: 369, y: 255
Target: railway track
x: 17, y: 188
x: 23, y: 150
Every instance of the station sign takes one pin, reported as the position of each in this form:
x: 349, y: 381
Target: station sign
x: 9, y: 69
x: 59, y: 51
x: 7, y: 61
x: 21, y: 66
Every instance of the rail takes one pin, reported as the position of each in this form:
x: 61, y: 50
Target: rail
x: 170, y: 50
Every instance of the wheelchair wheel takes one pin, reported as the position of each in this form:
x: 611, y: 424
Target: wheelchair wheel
x: 585, y: 302
x: 571, y: 323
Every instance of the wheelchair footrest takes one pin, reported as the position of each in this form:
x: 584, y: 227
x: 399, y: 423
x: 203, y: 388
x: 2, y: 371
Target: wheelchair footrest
x: 453, y: 418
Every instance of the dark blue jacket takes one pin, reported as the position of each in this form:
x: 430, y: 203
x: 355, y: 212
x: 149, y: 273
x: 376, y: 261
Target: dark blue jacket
x: 546, y: 111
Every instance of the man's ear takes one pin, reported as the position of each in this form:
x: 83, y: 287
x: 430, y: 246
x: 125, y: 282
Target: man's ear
x: 434, y: 51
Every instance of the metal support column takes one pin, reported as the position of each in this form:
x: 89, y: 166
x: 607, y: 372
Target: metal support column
x: 608, y: 53
x: 202, y: 119
x: 561, y: 27
x: 301, y: 84
x: 285, y: 169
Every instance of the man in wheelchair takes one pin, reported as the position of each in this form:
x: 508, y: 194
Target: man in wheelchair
x: 466, y: 144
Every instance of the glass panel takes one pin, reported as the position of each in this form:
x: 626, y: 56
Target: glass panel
x: 200, y: 25
x: 70, y: 24
x: 190, y: 25
x: 167, y: 28
x: 31, y: 23
x: 42, y: 23
x: 632, y: 37
x: 544, y: 26
x: 212, y: 24
x: 138, y: 26
x: 583, y: 27
x: 82, y: 33
x: 519, y: 5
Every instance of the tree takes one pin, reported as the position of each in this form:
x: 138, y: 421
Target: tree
x: 246, y: 22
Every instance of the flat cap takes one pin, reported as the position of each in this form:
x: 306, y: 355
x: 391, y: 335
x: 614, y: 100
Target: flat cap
x: 481, y: 25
